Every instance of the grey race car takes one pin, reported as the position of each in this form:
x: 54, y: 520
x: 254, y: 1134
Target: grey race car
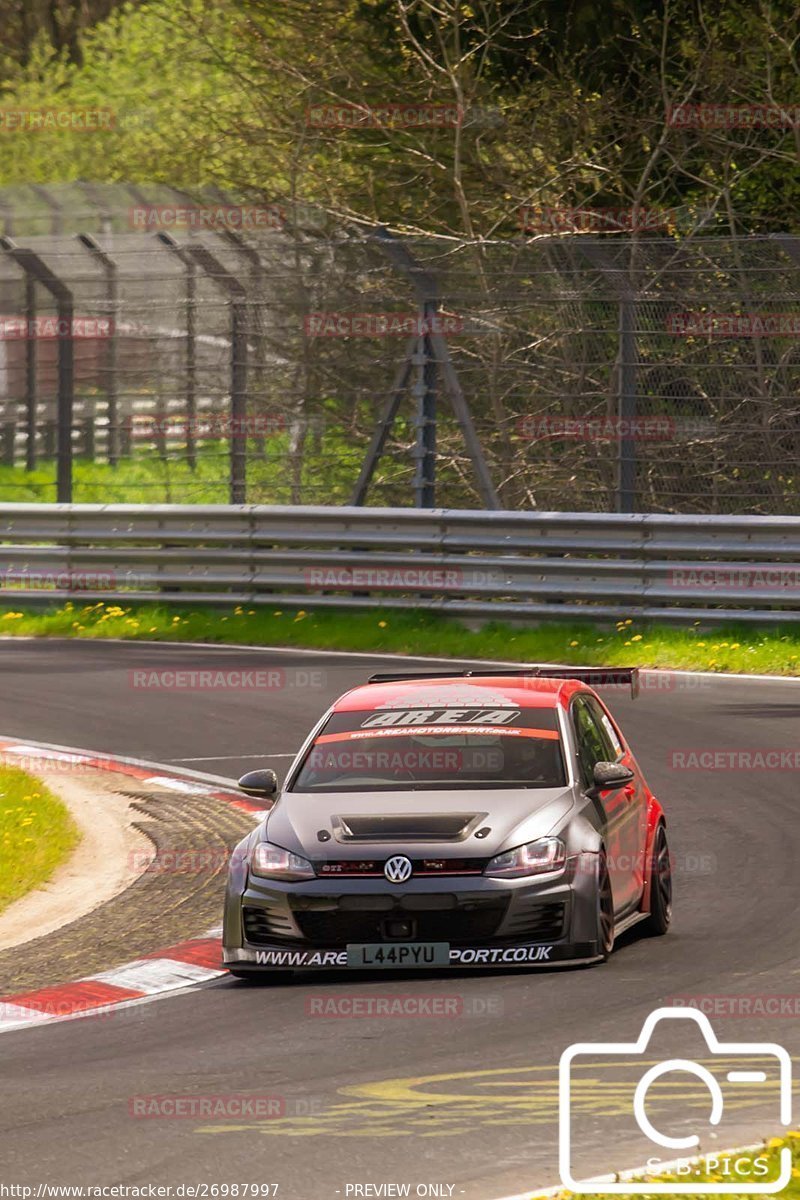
x: 470, y: 820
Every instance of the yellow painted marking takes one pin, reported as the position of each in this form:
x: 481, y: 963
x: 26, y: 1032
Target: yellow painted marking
x: 455, y: 1103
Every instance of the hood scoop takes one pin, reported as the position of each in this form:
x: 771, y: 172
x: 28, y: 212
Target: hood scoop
x: 406, y: 827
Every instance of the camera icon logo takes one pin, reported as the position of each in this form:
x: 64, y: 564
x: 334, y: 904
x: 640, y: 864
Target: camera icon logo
x: 750, y: 1074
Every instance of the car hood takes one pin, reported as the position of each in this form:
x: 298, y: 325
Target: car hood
x: 355, y: 825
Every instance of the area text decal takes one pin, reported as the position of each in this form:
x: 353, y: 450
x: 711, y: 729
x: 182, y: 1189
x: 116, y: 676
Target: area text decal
x: 444, y: 716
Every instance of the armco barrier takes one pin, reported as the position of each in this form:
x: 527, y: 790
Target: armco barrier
x: 475, y: 564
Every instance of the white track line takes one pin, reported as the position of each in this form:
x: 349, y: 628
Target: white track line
x: 402, y: 658
x: 637, y: 1173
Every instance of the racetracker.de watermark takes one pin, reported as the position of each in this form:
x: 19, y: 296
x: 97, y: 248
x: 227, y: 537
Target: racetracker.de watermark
x: 689, y: 863
x: 398, y: 578
x: 387, y: 324
x: 734, y: 579
x: 402, y: 1007
x: 447, y: 760
x: 714, y: 324
x: 86, y: 328
x: 734, y: 760
x: 220, y: 1107
x: 40, y: 120
x: 733, y: 116
x: 612, y: 429
x: 384, y: 116
x: 207, y: 216
x: 212, y: 425
x: 545, y: 219
x: 759, y: 1004
x: 265, y: 679
x: 51, y: 762
x: 183, y: 862
x: 14, y: 579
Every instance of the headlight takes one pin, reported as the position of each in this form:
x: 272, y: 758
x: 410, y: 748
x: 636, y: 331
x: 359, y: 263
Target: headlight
x: 547, y: 854
x: 271, y: 862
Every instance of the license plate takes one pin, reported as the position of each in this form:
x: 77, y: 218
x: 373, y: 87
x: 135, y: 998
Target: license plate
x: 407, y: 954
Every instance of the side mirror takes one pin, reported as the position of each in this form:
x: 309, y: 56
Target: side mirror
x: 609, y: 775
x: 263, y: 783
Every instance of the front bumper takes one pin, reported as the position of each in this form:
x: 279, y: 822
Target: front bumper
x: 281, y: 958
x: 487, y: 923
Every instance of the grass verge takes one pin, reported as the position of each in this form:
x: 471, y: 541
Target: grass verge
x: 36, y: 834
x: 273, y: 475
x: 752, y: 1167
x: 734, y: 649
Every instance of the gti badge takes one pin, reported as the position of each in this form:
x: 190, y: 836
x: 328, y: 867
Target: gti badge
x: 398, y: 869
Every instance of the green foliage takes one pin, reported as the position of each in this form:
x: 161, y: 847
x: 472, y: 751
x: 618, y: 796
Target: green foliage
x: 266, y: 622
x: 36, y: 834
x: 323, y: 475
x: 170, y: 98
x: 563, y: 104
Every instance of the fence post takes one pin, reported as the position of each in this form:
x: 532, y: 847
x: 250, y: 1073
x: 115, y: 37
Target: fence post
x: 627, y: 355
x: 191, y: 364
x: 237, y: 296
x: 88, y: 440
x: 238, y: 484
x: 424, y: 285
x: 50, y: 439
x: 30, y: 373
x: 34, y: 268
x: 126, y: 437
x: 385, y: 421
x: 8, y: 432
x: 424, y: 390
x: 626, y: 407
x: 112, y: 411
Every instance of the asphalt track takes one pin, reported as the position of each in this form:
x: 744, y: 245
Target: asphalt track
x: 466, y: 1102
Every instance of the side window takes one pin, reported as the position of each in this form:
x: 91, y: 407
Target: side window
x: 590, y: 739
x: 607, y: 726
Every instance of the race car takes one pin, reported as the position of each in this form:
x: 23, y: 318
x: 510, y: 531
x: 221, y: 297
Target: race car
x: 469, y: 820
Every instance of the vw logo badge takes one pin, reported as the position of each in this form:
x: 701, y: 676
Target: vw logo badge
x: 398, y: 869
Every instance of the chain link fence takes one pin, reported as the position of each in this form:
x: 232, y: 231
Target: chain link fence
x: 157, y: 350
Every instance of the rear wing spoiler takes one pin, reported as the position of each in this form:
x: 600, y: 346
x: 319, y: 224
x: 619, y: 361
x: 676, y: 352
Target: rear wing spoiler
x: 593, y: 676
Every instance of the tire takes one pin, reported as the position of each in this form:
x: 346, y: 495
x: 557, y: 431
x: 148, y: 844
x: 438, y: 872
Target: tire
x: 660, y: 916
x: 605, y: 908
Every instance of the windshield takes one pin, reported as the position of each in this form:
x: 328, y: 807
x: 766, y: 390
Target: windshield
x: 434, y: 749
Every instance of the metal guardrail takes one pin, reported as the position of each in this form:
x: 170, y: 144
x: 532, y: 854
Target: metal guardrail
x: 475, y: 564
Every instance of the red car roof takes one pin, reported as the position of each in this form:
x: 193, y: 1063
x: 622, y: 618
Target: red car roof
x: 458, y: 692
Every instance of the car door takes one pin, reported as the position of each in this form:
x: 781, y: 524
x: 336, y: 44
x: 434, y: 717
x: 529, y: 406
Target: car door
x: 594, y: 745
x: 632, y: 798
